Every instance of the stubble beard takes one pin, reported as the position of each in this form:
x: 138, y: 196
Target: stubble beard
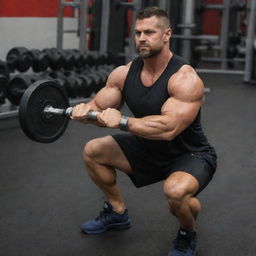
x: 151, y: 52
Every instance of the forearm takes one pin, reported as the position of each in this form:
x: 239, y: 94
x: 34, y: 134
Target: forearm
x: 155, y: 127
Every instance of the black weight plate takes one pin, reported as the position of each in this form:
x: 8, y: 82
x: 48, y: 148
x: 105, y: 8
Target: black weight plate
x: 37, y: 125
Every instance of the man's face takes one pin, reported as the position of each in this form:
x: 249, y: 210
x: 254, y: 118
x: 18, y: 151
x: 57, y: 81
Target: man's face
x: 150, y: 36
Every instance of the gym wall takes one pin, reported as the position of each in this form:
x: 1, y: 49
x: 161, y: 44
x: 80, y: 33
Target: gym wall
x: 33, y: 24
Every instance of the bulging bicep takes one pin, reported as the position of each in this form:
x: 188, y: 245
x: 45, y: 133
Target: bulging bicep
x: 185, y: 102
x: 110, y: 96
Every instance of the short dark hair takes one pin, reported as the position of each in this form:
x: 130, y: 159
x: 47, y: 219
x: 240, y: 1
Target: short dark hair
x: 152, y: 11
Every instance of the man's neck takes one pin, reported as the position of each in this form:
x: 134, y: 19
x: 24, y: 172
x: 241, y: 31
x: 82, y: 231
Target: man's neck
x: 157, y: 63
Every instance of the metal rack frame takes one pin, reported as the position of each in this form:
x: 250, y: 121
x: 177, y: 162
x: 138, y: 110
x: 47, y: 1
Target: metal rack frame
x: 187, y: 36
x: 82, y: 6
x: 250, y: 41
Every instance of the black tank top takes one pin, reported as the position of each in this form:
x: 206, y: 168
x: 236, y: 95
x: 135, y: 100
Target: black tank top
x: 144, y: 101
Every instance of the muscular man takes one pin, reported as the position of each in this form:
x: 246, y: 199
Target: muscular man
x: 164, y: 139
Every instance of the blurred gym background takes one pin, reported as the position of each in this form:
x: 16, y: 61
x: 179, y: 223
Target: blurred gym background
x: 45, y: 193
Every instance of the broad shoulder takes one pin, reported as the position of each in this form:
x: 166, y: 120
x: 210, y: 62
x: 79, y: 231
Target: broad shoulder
x: 186, y: 85
x: 117, y: 76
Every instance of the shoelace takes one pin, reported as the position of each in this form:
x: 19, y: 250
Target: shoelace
x: 103, y: 215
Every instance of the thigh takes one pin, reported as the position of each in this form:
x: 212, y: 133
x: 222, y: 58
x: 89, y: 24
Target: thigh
x: 142, y: 162
x: 194, y: 165
x: 105, y: 150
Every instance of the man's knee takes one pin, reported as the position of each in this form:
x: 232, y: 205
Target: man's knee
x: 174, y: 191
x: 92, y: 149
x: 106, y: 152
x: 176, y: 195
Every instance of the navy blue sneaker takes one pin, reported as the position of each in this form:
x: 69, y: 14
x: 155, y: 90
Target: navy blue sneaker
x: 185, y: 244
x: 108, y: 219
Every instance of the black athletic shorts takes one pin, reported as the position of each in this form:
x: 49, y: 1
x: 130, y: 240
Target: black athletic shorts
x: 150, y: 167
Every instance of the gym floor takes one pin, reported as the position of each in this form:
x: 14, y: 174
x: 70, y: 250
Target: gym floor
x: 45, y: 193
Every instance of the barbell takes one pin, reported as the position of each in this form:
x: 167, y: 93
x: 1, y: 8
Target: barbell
x: 44, y: 111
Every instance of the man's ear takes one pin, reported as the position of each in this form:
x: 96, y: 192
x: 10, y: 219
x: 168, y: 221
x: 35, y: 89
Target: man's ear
x: 168, y: 34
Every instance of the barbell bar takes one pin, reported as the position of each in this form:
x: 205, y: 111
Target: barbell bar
x: 49, y: 110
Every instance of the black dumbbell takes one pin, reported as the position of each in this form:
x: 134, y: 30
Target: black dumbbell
x: 76, y: 84
x: 59, y: 77
x: 89, y: 59
x: 60, y: 59
x: 56, y: 60
x: 40, y: 60
x: 54, y: 75
x: 88, y: 86
x: 17, y: 86
x: 63, y: 83
x: 80, y: 84
x: 97, y: 81
x: 103, y: 77
x: 103, y: 58
x: 19, y: 58
x: 67, y: 81
x: 4, y: 71
x: 95, y: 58
x: 69, y: 59
x: 3, y: 85
x: 79, y: 58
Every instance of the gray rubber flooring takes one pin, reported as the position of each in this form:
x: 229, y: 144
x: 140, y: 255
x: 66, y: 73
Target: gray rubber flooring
x: 45, y: 193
